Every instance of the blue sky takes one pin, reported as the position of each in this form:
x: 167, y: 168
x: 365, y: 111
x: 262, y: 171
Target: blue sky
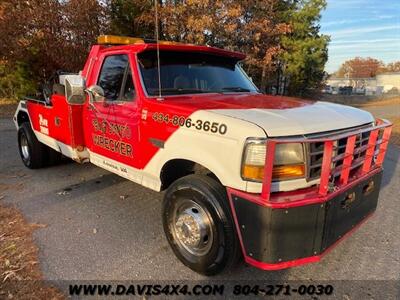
x: 362, y: 28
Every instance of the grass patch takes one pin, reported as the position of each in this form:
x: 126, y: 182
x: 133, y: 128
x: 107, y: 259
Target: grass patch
x: 6, y: 101
x: 395, y: 138
x: 7, y: 107
x: 382, y: 102
x: 20, y: 276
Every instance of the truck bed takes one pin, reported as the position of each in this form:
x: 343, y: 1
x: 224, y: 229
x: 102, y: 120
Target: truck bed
x: 58, y: 120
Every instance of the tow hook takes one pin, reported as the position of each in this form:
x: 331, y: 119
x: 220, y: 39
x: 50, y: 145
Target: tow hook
x: 350, y: 198
x: 369, y: 188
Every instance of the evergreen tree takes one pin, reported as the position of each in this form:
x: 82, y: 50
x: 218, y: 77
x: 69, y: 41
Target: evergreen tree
x: 125, y: 18
x: 301, y: 65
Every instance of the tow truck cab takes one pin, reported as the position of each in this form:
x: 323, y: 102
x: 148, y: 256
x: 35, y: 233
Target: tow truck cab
x: 282, y: 179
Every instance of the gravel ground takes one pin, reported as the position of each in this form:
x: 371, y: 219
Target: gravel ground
x: 101, y: 226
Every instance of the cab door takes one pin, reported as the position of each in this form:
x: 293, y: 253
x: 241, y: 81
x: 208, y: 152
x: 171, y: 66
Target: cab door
x: 114, y: 123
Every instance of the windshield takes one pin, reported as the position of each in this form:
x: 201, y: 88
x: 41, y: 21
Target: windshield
x: 191, y: 73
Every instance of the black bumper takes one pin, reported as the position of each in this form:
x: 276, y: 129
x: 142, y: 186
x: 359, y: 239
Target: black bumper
x: 273, y: 236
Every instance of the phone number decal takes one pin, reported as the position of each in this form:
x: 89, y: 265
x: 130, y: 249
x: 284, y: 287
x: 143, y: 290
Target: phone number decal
x: 281, y: 289
x: 207, y: 126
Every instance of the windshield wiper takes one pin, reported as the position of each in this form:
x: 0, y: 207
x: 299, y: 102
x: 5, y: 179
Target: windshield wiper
x: 180, y: 91
x: 235, y: 89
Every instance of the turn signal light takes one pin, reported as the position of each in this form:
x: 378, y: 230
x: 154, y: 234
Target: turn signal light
x: 278, y: 173
x: 253, y: 172
x: 288, y: 172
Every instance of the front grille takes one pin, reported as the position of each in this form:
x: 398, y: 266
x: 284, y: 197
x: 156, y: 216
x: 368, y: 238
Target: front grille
x: 316, y: 153
x: 329, y: 166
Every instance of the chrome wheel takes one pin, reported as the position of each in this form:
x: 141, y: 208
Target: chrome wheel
x: 24, y: 147
x: 198, y: 225
x: 192, y: 228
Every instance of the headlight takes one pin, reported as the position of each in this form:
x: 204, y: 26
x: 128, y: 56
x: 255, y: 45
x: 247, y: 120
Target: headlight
x: 288, y: 163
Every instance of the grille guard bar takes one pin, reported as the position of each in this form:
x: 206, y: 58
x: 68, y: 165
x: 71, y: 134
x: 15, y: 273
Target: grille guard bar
x: 322, y: 192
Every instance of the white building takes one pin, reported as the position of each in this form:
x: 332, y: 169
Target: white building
x: 388, y: 81
x: 382, y: 83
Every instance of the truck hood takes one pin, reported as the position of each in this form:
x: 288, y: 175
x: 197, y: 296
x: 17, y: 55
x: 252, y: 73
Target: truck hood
x: 314, y: 118
x: 277, y: 116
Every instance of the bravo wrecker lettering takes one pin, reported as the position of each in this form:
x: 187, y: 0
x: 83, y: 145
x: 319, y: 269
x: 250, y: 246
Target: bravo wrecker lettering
x: 104, y: 141
x: 243, y: 171
x: 112, y: 145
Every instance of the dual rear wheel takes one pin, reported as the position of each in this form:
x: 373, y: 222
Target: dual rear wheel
x: 33, y: 153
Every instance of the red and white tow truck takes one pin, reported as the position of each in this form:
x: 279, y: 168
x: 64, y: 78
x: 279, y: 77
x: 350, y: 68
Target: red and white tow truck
x: 280, y: 180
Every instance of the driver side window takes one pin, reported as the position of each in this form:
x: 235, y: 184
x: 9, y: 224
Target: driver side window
x: 116, y: 78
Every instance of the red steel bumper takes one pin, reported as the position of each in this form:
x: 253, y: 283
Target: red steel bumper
x: 288, y: 229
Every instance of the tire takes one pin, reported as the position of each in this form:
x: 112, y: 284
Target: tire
x: 55, y: 157
x: 32, y: 152
x: 199, y: 226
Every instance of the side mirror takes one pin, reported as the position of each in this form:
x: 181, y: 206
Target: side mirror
x: 96, y: 93
x: 75, y: 89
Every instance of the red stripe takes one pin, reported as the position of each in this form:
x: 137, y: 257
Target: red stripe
x: 236, y: 224
x: 326, y: 168
x: 269, y: 165
x: 384, y: 145
x: 370, y: 152
x: 346, y: 166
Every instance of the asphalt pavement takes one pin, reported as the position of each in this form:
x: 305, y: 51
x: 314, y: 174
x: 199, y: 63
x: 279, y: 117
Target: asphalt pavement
x: 100, y: 226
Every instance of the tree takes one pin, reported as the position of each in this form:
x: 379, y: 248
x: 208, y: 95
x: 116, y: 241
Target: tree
x: 83, y: 22
x: 391, y: 67
x: 15, y: 81
x: 24, y: 28
x: 359, y: 67
x: 248, y: 26
x: 48, y: 35
x: 42, y: 36
x: 302, y: 62
x: 124, y: 16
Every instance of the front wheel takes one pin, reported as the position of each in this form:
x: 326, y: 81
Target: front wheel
x: 199, y: 226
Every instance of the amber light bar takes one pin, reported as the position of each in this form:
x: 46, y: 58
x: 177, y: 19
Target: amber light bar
x: 118, y: 40
x: 126, y: 40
